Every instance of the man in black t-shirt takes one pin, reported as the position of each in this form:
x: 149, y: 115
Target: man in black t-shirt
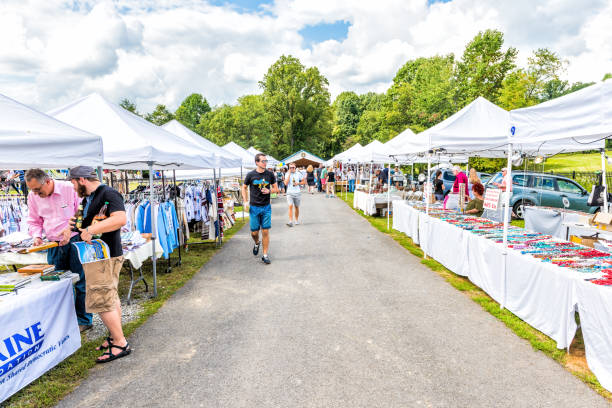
x: 260, y: 183
x: 102, y: 278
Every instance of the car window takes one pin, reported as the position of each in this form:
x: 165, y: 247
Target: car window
x: 496, y: 179
x: 520, y: 180
x: 567, y: 186
x: 448, y: 176
x: 544, y: 183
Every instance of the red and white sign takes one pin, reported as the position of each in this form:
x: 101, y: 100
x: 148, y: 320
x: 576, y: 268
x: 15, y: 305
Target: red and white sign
x: 491, y: 199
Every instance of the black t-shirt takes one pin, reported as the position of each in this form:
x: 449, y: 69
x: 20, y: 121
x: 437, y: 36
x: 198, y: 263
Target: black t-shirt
x: 331, y: 176
x: 438, y: 186
x: 115, y: 203
x: 256, y: 181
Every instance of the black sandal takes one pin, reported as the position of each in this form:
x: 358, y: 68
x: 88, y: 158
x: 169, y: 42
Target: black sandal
x: 101, y: 347
x: 125, y: 350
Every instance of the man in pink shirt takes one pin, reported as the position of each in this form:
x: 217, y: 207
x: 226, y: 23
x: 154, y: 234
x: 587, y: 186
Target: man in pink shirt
x: 51, y: 204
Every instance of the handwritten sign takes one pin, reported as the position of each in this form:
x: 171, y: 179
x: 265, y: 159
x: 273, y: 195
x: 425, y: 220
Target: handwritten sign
x: 491, y: 199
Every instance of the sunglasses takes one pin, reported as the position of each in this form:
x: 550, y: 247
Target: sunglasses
x: 263, y: 161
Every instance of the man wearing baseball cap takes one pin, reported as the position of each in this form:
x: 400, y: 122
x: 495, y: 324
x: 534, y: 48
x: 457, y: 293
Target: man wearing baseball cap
x: 102, y: 277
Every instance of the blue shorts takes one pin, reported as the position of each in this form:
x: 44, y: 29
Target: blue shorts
x: 260, y: 217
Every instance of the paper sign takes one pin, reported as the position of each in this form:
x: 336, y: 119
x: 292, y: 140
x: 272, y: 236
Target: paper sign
x: 491, y: 199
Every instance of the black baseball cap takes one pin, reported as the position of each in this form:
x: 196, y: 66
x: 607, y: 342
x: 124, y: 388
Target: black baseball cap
x: 82, y: 171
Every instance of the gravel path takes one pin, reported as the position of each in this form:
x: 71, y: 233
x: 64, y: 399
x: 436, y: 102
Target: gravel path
x: 344, y: 317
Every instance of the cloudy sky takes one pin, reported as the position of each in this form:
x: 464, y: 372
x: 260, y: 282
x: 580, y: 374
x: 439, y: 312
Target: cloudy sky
x: 159, y: 51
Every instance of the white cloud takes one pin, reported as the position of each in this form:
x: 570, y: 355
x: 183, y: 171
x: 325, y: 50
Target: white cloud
x: 53, y: 51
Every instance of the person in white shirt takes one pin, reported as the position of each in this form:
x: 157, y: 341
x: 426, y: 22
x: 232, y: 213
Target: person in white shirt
x: 293, y: 180
x: 351, y: 180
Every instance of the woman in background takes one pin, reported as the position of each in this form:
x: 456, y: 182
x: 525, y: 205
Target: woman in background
x: 310, y: 179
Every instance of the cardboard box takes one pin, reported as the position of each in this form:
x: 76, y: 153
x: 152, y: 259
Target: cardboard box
x: 584, y: 240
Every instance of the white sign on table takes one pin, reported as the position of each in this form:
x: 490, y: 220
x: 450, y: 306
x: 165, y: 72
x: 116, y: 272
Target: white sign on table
x: 38, y: 330
x: 491, y: 199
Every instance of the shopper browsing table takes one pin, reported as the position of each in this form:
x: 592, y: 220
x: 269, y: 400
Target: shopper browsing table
x: 475, y: 207
x: 293, y: 181
x: 260, y: 183
x: 51, y: 205
x: 103, y: 276
x: 330, y: 184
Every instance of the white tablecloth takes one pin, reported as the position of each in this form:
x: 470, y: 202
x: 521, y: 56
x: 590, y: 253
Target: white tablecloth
x: 406, y: 219
x: 367, y: 202
x: 41, y: 318
x: 543, y: 295
x: 137, y: 256
x: 551, y: 222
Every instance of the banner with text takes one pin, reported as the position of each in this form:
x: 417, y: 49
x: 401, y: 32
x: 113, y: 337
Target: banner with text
x: 38, y: 330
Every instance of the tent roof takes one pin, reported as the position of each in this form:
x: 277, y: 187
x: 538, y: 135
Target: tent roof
x: 208, y: 174
x: 131, y: 142
x: 574, y: 122
x: 248, y: 158
x: 404, y: 138
x: 347, y: 154
x: 223, y: 158
x: 272, y: 161
x: 29, y: 138
x: 373, y: 152
x: 480, y: 128
x: 302, y: 154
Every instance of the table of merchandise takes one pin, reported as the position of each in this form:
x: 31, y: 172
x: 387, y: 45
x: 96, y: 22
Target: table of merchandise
x: 39, y: 329
x: 367, y: 202
x: 560, y: 223
x: 545, y: 279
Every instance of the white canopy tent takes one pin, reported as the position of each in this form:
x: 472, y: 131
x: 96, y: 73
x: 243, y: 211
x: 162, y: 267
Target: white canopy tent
x: 29, y: 138
x: 223, y: 158
x: 131, y: 142
x: 272, y: 162
x: 248, y: 158
x: 405, y: 138
x: 208, y: 174
x: 346, y: 155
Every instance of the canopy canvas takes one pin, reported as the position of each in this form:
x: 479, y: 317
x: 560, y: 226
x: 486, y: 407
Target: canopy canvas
x: 346, y: 155
x: 405, y: 138
x: 223, y: 158
x: 302, y: 158
x: 131, y: 142
x: 29, y: 138
x: 574, y: 122
x: 272, y: 162
x: 373, y: 152
x: 248, y: 158
x: 209, y: 174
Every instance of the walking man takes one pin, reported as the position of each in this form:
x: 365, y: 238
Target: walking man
x: 318, y: 174
x: 293, y: 180
x: 261, y: 183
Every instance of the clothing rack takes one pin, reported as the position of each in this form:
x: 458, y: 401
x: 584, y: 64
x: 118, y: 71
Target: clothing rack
x: 196, y: 182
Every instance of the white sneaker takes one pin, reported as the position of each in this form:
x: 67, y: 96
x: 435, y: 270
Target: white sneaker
x: 297, y: 223
x: 290, y: 224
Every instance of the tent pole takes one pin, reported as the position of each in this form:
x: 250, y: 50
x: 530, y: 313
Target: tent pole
x: 219, y: 215
x: 153, y: 229
x: 100, y: 174
x: 241, y: 181
x: 176, y: 209
x: 604, y: 179
x: 506, y: 208
x: 388, y: 193
x: 427, y: 193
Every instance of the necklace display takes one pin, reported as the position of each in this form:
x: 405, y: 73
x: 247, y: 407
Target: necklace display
x: 593, y: 265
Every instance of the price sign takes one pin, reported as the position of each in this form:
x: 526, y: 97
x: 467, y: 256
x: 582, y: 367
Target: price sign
x: 491, y: 199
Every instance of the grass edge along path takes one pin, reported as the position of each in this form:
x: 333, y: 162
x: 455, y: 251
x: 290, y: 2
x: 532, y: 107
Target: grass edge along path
x: 538, y: 340
x: 58, y: 382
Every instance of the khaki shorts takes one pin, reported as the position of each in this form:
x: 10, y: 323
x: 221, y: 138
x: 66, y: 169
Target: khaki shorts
x: 101, y: 282
x: 294, y: 200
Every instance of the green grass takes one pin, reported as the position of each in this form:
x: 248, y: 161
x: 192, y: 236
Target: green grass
x: 568, y: 162
x: 50, y: 388
x: 574, y: 362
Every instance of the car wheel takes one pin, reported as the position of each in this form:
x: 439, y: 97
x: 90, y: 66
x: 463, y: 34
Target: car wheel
x: 519, y: 208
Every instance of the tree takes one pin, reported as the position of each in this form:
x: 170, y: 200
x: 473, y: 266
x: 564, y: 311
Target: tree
x: 160, y: 115
x: 607, y: 76
x: 297, y: 104
x: 422, y: 93
x: 543, y: 70
x: 191, y: 110
x: 483, y: 67
x: 513, y: 94
x: 347, y: 110
x: 127, y: 104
